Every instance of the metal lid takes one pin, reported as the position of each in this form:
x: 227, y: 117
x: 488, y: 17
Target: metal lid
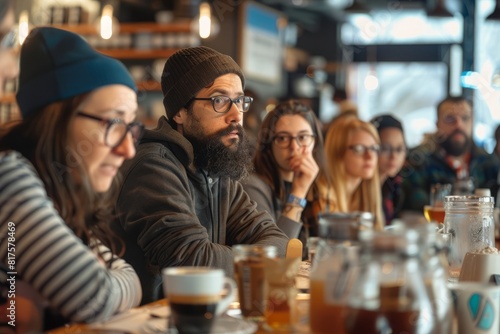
x: 403, y: 241
x: 468, y: 203
x: 469, y: 198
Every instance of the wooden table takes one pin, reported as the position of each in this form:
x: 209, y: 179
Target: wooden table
x: 302, y: 304
x: 86, y: 328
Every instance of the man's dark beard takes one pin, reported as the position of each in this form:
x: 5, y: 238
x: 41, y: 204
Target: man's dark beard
x: 211, y: 154
x: 455, y: 148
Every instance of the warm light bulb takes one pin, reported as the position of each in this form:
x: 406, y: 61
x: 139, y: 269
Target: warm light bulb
x: 205, y: 21
x: 107, y: 22
x: 23, y: 26
x: 371, y: 81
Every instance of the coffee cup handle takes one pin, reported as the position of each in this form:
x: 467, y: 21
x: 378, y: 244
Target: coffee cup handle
x: 224, y: 303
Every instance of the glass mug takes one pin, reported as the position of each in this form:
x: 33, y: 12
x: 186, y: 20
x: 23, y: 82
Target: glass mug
x: 335, y: 267
x: 249, y: 272
x: 434, y: 212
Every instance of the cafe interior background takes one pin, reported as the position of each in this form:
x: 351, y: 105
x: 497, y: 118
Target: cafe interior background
x: 398, y: 57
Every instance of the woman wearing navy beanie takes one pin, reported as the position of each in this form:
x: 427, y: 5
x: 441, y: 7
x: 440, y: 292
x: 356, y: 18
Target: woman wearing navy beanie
x: 57, y: 182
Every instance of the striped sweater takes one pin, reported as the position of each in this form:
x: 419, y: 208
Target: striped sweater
x: 36, y: 244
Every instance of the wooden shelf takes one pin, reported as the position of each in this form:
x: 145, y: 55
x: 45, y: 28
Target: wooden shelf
x: 8, y: 98
x: 179, y: 26
x: 137, y: 53
x: 149, y: 86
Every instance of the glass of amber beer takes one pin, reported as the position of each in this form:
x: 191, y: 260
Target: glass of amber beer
x: 435, y: 211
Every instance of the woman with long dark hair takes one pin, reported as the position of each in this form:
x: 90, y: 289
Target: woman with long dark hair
x: 57, y: 177
x: 288, y: 159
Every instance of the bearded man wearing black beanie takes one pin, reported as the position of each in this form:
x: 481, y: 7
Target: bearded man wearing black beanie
x: 181, y: 202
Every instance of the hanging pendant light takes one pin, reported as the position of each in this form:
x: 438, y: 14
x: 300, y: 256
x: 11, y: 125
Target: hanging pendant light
x: 205, y: 24
x: 24, y: 27
x: 205, y: 20
x: 107, y: 23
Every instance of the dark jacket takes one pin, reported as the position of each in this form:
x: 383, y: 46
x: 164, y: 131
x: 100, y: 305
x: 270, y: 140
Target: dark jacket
x: 172, y: 214
x: 426, y: 165
x: 262, y: 194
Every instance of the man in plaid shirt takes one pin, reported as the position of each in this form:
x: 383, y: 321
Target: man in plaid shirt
x: 450, y: 155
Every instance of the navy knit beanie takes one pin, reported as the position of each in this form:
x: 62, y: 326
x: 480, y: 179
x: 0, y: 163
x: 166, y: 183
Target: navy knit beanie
x: 57, y: 64
x: 188, y: 71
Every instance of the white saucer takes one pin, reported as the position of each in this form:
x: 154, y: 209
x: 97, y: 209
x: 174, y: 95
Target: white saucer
x: 228, y: 325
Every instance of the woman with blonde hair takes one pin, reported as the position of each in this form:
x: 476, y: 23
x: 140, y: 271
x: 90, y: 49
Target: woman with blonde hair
x: 351, y: 148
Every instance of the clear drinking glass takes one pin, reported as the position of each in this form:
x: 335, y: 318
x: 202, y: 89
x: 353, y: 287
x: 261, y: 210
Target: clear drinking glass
x: 249, y: 273
x: 434, y: 246
x: 434, y: 212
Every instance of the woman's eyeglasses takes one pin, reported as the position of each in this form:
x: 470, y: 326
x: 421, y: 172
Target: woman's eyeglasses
x: 284, y: 141
x: 222, y: 104
x: 389, y: 150
x: 360, y: 149
x: 117, y: 129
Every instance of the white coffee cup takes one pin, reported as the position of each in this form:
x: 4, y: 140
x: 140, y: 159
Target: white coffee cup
x: 477, y: 307
x: 195, y: 296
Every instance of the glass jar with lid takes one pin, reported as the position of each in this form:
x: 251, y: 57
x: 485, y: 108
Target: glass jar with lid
x: 334, y: 267
x: 470, y: 222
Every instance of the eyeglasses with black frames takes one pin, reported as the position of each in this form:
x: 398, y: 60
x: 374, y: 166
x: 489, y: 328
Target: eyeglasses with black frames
x: 452, y: 119
x: 222, y: 104
x: 284, y: 141
x: 389, y: 150
x: 360, y: 149
x: 117, y: 129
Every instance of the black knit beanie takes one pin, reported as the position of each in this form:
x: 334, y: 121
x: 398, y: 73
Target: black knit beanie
x: 57, y: 64
x: 386, y: 121
x: 188, y: 71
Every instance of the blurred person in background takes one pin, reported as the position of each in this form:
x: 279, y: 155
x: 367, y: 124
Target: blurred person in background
x: 391, y: 160
x: 57, y: 181
x: 252, y: 119
x: 287, y: 162
x: 449, y: 157
x: 351, y: 148
x: 344, y: 104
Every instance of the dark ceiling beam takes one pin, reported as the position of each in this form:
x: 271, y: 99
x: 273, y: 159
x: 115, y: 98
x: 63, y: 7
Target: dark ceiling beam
x: 400, y: 53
